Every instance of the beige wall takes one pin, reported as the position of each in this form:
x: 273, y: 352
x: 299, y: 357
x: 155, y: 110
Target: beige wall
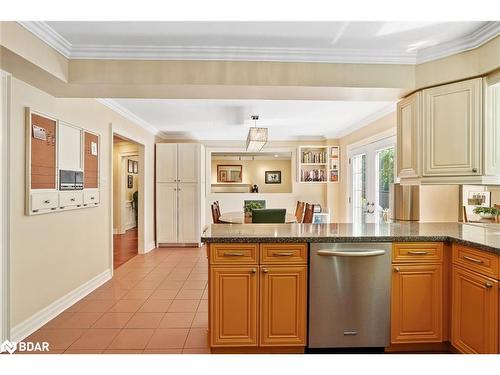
x: 439, y: 203
x: 53, y: 254
x: 254, y: 173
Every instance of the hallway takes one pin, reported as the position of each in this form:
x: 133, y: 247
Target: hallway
x: 124, y: 247
x: 155, y: 303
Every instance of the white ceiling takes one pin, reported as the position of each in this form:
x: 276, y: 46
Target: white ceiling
x: 357, y: 42
x: 230, y: 119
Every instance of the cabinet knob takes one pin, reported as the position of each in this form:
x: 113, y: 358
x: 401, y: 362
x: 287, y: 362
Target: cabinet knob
x: 46, y: 201
x: 265, y: 270
x: 253, y: 270
x: 396, y: 269
x: 488, y: 285
x: 474, y: 170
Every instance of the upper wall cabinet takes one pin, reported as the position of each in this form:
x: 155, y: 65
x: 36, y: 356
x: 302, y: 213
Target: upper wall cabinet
x: 408, y: 114
x: 178, y: 162
x: 441, y: 132
x: 452, y: 129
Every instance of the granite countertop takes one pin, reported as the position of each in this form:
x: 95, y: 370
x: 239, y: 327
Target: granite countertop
x: 482, y: 236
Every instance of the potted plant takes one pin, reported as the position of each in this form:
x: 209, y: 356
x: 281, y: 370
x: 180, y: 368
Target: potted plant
x: 249, y: 206
x: 487, y: 212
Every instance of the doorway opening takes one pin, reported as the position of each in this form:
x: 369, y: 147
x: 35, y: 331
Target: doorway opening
x: 126, y: 200
x: 372, y: 173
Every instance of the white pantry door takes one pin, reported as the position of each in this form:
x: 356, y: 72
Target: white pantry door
x: 371, y: 174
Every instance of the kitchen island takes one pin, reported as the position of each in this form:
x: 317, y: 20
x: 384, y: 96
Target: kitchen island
x: 444, y: 288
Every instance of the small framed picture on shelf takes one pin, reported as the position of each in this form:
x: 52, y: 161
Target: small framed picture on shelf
x: 136, y: 167
x: 273, y: 177
x: 321, y: 218
x: 130, y: 181
x: 334, y: 175
x: 130, y: 166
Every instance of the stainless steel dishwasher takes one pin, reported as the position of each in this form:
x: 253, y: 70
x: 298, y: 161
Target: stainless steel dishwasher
x: 349, y: 295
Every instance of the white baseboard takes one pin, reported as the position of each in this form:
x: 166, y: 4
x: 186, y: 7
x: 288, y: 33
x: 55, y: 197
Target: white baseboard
x: 30, y: 325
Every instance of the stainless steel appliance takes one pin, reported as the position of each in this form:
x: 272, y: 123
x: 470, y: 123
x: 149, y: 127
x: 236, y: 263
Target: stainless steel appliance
x: 349, y: 295
x: 70, y: 180
x: 405, y: 202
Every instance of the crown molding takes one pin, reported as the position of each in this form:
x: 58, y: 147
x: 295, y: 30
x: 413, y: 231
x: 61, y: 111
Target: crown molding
x: 111, y: 104
x: 48, y: 35
x: 240, y: 54
x: 480, y: 36
x: 388, y: 109
x: 119, y: 52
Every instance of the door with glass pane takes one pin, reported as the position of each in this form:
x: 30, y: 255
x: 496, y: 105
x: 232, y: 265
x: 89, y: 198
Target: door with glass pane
x: 372, y: 173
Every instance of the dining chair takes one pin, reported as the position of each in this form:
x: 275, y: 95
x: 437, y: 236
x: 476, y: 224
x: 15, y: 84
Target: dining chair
x: 269, y: 215
x: 299, y: 211
x: 215, y: 214
x: 308, y: 214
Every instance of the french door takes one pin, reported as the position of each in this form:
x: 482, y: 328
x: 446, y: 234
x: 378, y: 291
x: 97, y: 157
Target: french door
x: 371, y: 174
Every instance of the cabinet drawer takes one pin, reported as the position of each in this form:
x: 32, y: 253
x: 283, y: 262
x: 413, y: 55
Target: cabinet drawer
x: 70, y: 199
x: 228, y: 253
x: 278, y: 253
x: 44, y: 201
x: 90, y: 196
x: 420, y: 252
x: 476, y: 260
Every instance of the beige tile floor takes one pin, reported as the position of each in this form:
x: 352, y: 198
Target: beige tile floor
x: 155, y: 303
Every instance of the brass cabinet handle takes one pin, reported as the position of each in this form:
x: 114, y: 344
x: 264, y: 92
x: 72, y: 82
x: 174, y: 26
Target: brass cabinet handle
x: 282, y: 254
x: 265, y: 270
x: 233, y: 254
x: 253, y: 270
x: 92, y: 198
x: 47, y: 201
x: 72, y: 199
x: 474, y: 170
x: 478, y: 261
x: 412, y: 252
x: 396, y: 269
x: 488, y: 285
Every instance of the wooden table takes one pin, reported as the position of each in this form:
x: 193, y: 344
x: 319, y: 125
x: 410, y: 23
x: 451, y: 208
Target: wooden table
x: 240, y: 218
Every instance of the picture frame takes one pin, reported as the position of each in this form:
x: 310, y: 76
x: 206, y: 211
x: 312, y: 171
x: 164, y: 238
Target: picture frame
x: 230, y: 173
x: 273, y: 177
x: 136, y: 167
x: 321, y: 218
x: 130, y: 166
x: 130, y: 181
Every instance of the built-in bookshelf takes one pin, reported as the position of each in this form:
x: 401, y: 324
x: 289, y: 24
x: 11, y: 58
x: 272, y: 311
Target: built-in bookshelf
x: 318, y: 164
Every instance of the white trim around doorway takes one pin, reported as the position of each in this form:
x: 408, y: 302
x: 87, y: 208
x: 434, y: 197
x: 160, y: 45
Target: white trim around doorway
x: 5, y: 93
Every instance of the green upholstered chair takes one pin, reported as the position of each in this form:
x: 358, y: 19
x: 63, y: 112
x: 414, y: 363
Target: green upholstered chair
x: 270, y: 215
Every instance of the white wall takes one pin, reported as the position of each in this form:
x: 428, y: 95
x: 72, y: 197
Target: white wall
x: 54, y: 254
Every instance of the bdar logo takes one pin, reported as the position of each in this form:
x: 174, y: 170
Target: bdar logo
x: 8, y: 346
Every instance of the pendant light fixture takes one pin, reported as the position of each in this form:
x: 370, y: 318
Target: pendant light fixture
x: 257, y: 137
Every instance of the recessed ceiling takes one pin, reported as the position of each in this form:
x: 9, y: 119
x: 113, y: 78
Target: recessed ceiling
x: 356, y: 42
x: 230, y: 119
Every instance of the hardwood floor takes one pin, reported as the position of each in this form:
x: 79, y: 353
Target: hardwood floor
x: 124, y: 247
x: 155, y: 303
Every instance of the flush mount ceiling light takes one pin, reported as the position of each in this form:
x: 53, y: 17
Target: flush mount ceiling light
x: 257, y: 137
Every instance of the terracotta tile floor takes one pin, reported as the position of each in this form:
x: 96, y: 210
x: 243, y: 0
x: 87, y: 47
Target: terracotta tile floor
x: 155, y: 303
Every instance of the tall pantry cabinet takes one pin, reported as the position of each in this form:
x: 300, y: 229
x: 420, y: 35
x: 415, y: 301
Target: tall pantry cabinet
x: 180, y: 198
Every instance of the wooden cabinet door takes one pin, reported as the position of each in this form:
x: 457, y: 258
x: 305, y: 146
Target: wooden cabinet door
x: 474, y: 312
x: 452, y: 118
x: 416, y: 306
x: 166, y: 213
x: 233, y: 306
x: 188, y: 213
x: 188, y: 162
x: 283, y: 305
x: 409, y: 128
x: 166, y: 162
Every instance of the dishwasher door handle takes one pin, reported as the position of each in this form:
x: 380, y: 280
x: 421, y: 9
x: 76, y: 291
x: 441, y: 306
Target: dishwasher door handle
x: 332, y: 253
